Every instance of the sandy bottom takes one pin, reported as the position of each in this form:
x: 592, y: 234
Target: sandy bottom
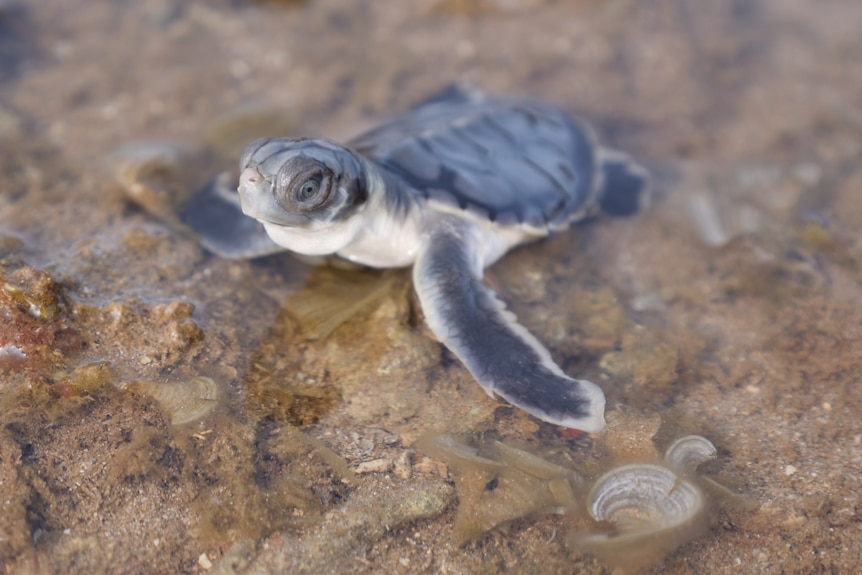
x: 163, y: 410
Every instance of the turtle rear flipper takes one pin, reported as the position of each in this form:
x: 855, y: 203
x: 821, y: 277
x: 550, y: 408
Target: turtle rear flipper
x: 502, y: 355
x: 214, y: 213
x: 625, y: 184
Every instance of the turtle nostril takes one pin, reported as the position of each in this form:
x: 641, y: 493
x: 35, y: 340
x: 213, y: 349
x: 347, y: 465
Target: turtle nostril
x: 250, y: 176
x: 251, y: 186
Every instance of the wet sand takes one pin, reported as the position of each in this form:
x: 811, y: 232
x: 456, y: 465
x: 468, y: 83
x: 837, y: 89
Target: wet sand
x: 730, y: 309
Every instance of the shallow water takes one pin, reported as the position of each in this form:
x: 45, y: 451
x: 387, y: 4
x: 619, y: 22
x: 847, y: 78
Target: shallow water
x: 730, y: 309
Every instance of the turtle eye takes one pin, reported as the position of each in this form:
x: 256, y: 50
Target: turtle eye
x: 308, y: 190
x: 303, y: 185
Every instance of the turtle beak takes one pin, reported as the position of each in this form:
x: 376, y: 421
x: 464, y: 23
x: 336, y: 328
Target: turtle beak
x: 258, y: 201
x: 249, y: 181
x: 253, y: 194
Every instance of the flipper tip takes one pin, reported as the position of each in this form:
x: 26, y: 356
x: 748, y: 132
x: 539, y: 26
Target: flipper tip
x: 572, y: 403
x: 594, y: 420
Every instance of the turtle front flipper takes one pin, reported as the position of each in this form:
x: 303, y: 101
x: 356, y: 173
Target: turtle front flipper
x: 215, y: 214
x: 502, y: 355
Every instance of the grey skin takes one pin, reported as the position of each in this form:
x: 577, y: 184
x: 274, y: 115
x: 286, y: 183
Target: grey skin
x: 448, y: 188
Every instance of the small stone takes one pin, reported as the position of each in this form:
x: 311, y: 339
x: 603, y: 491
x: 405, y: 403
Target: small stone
x: 148, y: 174
x: 428, y: 465
x: 205, y: 562
x: 185, y: 333
x: 365, y: 445
x: 790, y: 470
x: 403, y: 467
x: 173, y: 310
x: 374, y: 466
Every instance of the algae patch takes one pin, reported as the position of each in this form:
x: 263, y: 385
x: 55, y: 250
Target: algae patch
x: 494, y: 491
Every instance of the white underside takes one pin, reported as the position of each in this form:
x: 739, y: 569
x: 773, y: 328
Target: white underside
x: 384, y: 242
x: 373, y: 237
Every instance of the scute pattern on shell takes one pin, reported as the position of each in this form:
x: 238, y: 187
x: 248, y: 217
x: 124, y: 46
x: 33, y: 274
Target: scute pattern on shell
x: 501, y: 159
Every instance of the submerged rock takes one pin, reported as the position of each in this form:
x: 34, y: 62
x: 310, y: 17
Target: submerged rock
x: 35, y: 325
x: 371, y: 512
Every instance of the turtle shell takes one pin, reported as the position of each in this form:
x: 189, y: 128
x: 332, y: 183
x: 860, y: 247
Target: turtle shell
x: 510, y: 161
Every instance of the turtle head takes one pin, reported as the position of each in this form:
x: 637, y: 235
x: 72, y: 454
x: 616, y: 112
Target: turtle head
x: 307, y: 193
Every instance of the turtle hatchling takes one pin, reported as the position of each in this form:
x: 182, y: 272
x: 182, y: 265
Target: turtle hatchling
x: 449, y: 188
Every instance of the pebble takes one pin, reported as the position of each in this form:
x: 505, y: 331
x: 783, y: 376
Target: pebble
x: 374, y: 466
x: 205, y: 562
x: 368, y: 515
x: 403, y: 468
x: 429, y: 465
